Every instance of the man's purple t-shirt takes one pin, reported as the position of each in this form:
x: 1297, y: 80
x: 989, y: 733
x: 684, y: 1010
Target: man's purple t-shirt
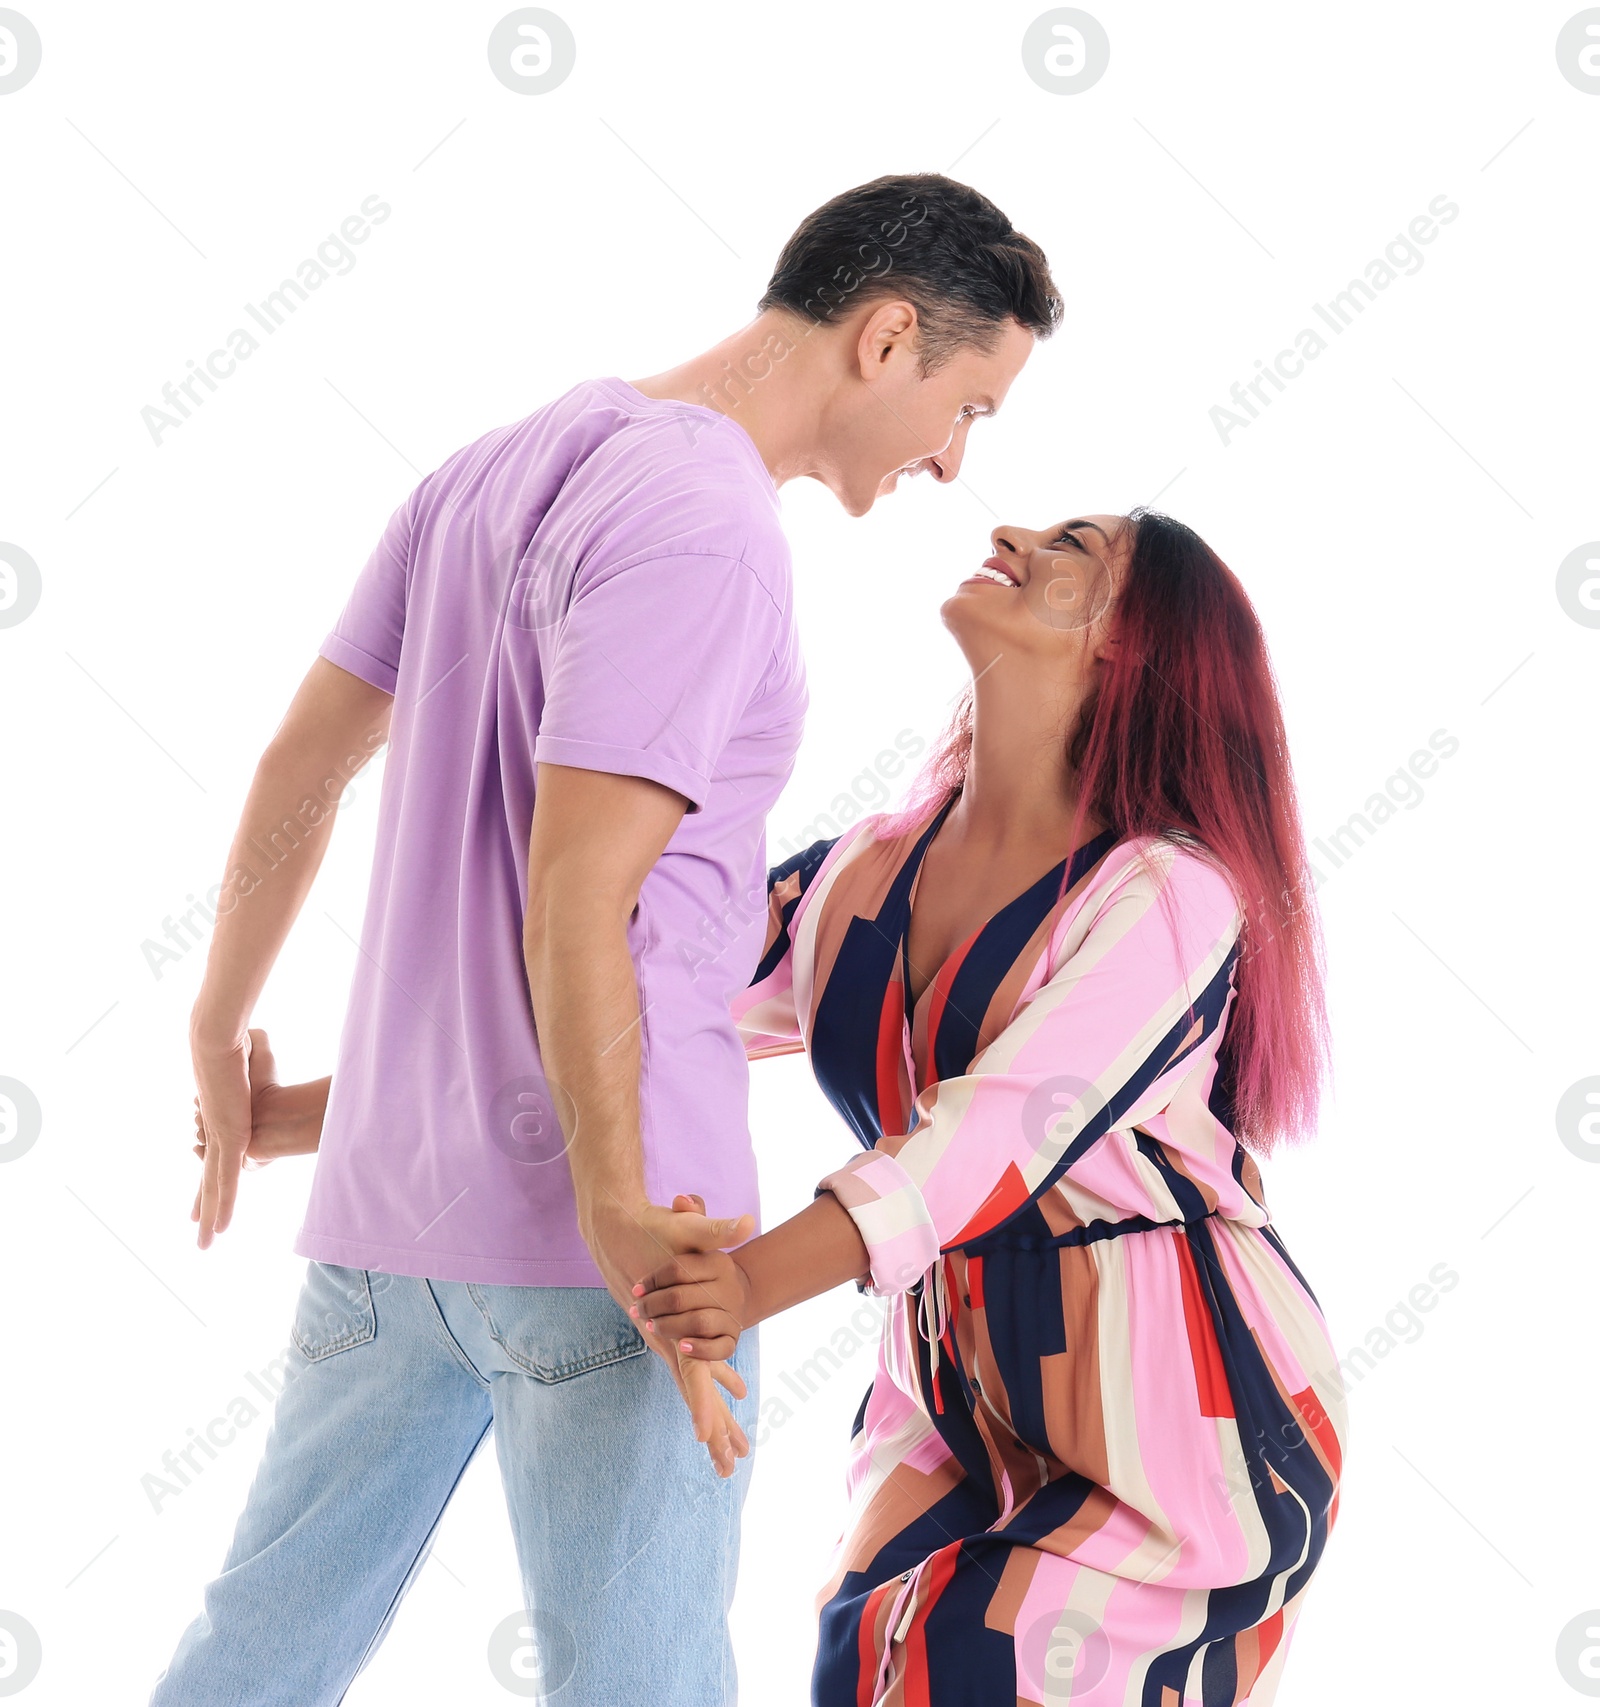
x: 604, y: 585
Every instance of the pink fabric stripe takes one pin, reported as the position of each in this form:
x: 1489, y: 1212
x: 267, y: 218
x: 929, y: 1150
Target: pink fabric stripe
x: 891, y: 1217
x: 1180, y: 1450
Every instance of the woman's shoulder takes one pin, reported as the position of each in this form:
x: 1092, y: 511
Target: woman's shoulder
x: 1173, y: 863
x: 807, y: 861
x: 877, y: 827
x: 802, y: 875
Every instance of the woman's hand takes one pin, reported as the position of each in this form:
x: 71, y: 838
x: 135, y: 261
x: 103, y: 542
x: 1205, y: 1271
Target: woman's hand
x: 698, y: 1378
x: 699, y: 1302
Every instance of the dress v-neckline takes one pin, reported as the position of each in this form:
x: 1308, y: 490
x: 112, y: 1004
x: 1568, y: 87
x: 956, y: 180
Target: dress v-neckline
x: 920, y: 855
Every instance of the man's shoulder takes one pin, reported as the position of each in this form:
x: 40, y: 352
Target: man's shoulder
x: 678, y: 479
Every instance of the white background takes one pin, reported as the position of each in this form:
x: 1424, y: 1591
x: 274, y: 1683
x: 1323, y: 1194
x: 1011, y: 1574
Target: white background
x: 1398, y: 513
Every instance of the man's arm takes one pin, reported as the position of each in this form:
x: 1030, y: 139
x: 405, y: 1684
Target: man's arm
x: 333, y: 726
x: 595, y: 838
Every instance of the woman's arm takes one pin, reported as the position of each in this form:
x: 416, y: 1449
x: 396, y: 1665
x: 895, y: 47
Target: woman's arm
x: 704, y: 1302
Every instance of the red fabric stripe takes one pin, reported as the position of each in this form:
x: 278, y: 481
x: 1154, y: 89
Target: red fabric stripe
x: 1210, y: 1376
x: 1010, y: 1194
x: 942, y: 980
x: 975, y: 1281
x: 940, y: 1569
x: 1270, y: 1633
x: 1320, y: 1424
x: 891, y: 1041
x: 867, y: 1645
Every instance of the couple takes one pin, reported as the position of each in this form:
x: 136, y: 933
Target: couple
x: 1062, y: 998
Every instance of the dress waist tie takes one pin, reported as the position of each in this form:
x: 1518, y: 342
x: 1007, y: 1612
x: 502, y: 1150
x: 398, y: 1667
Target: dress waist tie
x: 933, y: 1318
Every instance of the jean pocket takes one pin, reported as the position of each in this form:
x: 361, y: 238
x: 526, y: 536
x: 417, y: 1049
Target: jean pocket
x: 556, y: 1332
x: 334, y: 1312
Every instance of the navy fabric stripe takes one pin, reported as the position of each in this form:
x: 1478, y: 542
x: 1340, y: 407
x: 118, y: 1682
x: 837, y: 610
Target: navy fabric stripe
x: 955, y: 1424
x: 1025, y: 1322
x: 1271, y: 1430
x: 1092, y: 1233
x: 806, y: 863
x: 970, y: 1665
x: 993, y: 954
x: 1185, y: 1193
x: 844, y: 1034
x: 968, y: 1509
x: 1270, y: 1233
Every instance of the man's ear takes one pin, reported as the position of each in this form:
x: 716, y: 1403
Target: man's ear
x: 889, y: 325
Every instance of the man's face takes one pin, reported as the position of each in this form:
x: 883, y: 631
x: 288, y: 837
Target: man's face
x: 896, y: 423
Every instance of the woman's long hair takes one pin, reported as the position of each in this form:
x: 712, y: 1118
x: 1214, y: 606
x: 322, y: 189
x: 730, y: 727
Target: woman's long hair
x: 1184, y: 733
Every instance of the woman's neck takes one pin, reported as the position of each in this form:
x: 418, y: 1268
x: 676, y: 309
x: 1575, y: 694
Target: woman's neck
x: 1019, y: 787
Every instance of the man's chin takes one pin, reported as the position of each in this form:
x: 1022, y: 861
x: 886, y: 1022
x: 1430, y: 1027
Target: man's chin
x: 856, y: 501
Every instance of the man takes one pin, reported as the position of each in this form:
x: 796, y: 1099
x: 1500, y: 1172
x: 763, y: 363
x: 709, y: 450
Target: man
x: 577, y: 638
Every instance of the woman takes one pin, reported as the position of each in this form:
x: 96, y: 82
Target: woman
x: 1100, y: 1457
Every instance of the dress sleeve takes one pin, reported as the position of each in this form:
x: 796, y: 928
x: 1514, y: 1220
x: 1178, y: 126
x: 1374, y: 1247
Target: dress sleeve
x: 764, y: 1010
x: 1134, y: 1006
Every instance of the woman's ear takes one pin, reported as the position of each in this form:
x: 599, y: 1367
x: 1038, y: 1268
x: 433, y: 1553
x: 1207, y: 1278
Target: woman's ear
x: 1107, y: 648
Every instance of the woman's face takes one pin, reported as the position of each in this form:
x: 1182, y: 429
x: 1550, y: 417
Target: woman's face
x: 1047, y: 594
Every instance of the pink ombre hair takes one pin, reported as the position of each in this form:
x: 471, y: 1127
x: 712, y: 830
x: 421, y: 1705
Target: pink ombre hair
x: 1182, y: 738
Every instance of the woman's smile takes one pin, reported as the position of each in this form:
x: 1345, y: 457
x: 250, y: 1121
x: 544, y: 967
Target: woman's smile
x: 995, y: 569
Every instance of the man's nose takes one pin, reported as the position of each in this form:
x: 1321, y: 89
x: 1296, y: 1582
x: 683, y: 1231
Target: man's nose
x: 946, y: 465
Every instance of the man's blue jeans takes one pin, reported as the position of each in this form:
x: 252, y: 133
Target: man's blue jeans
x: 628, y: 1540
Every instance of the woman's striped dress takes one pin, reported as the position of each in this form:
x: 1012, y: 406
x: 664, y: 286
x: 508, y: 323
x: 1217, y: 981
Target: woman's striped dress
x: 1100, y: 1457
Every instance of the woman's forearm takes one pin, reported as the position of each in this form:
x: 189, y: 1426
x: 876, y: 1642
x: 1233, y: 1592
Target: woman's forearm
x: 809, y: 1254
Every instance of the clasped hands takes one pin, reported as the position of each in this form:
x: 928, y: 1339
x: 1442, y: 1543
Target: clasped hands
x: 690, y: 1308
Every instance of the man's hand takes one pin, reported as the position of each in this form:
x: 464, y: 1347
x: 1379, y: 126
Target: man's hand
x: 285, y: 1120
x: 629, y: 1243
x: 222, y: 1077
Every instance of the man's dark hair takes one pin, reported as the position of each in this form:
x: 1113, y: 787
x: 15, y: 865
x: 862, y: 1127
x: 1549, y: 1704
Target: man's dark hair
x: 944, y: 248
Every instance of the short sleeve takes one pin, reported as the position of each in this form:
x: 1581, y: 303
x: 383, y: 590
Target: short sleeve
x: 652, y: 667
x: 366, y: 639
